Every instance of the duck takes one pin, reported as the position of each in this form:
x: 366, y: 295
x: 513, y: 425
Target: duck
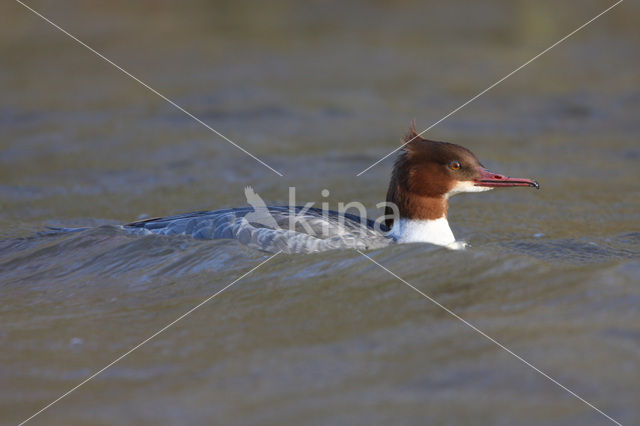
x: 425, y: 175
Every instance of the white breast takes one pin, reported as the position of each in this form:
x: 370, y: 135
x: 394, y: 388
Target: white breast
x: 435, y: 231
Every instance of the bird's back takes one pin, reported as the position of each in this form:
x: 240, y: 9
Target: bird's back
x: 272, y: 228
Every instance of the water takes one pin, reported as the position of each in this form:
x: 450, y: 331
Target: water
x: 319, y: 92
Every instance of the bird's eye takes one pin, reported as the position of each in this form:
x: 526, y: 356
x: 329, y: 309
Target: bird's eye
x: 455, y: 165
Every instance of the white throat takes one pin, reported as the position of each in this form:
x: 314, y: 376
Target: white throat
x: 436, y: 231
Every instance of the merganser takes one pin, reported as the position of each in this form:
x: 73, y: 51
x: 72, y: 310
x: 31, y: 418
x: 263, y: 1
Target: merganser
x: 425, y: 175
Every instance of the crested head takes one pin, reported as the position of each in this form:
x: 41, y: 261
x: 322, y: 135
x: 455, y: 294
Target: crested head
x: 433, y: 168
x: 426, y: 173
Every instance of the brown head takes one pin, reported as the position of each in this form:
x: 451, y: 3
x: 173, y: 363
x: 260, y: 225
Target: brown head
x: 427, y: 173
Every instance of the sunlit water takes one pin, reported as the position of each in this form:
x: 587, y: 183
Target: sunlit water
x: 319, y: 92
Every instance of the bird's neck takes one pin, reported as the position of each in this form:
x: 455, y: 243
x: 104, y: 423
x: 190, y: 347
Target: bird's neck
x: 420, y: 218
x: 434, y: 231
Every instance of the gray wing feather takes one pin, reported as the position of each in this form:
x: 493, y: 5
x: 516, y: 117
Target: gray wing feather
x: 296, y: 231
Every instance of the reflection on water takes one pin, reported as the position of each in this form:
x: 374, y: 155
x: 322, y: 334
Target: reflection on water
x: 319, y: 91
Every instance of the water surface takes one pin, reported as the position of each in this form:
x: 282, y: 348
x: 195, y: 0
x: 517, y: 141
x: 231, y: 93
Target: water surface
x: 319, y: 91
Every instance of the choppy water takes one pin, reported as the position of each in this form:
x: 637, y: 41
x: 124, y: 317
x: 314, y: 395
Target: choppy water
x: 319, y: 92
